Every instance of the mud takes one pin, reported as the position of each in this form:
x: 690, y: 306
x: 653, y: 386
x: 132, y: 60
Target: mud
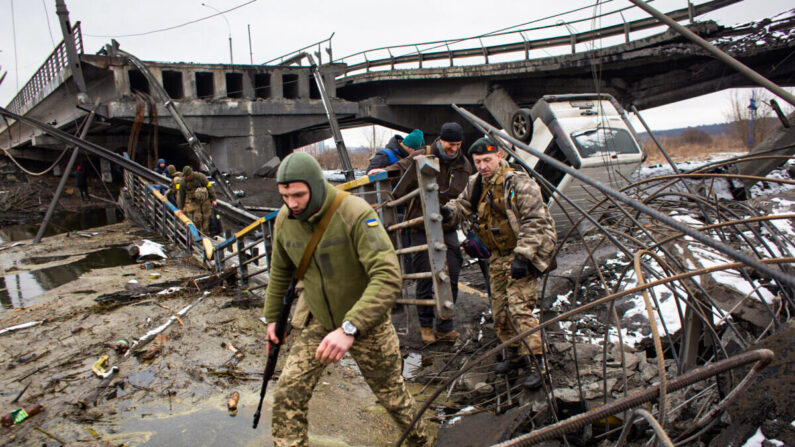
x: 178, y: 396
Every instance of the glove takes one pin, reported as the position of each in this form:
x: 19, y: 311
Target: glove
x: 518, y: 268
x: 447, y: 215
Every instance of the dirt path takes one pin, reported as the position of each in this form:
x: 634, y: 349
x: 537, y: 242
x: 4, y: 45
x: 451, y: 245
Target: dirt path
x: 175, y: 392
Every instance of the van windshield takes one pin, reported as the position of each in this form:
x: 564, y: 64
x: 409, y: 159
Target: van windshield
x: 604, y: 141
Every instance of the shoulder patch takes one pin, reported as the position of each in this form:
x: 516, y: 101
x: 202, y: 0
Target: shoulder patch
x: 372, y: 222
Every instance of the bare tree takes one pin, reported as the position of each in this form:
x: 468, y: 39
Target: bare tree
x: 745, y: 115
x: 376, y: 137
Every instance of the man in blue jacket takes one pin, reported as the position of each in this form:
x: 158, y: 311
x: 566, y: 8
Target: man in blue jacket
x: 396, y: 149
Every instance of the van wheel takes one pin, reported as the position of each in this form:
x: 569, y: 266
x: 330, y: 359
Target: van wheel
x: 522, y: 125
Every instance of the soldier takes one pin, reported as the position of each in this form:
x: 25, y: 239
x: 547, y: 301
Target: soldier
x: 176, y: 180
x: 454, y: 169
x: 195, y: 194
x: 349, y: 302
x: 515, y: 225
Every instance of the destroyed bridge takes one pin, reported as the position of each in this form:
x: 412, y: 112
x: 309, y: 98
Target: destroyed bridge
x: 669, y: 312
x: 247, y: 114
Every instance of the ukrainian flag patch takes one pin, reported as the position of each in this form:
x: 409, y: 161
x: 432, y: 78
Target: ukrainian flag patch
x: 372, y: 222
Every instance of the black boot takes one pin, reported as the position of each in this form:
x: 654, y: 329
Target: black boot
x: 511, y: 360
x: 533, y: 379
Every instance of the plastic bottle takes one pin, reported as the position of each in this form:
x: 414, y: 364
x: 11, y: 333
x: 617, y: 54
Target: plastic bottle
x: 20, y: 414
x: 234, y: 398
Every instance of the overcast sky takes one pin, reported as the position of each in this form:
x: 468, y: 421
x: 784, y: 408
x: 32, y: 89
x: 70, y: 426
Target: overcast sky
x: 278, y: 27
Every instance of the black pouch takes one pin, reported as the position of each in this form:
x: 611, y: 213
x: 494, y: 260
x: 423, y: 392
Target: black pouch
x: 216, y: 227
x: 474, y: 247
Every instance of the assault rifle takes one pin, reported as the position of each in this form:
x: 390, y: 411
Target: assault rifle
x: 273, y: 348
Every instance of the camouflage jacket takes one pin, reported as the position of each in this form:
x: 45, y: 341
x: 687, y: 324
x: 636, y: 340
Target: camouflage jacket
x: 176, y: 181
x: 187, y: 187
x: 527, y: 214
x: 353, y: 274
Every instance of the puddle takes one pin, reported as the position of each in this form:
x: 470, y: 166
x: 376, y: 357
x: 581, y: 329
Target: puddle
x: 208, y: 425
x: 412, y: 365
x: 17, y: 290
x: 42, y: 259
x: 62, y: 222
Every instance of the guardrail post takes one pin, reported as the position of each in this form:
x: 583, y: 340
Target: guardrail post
x: 242, y: 269
x: 267, y: 230
x: 163, y: 226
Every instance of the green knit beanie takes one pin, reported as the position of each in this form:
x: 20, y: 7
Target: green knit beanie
x: 415, y: 139
x: 187, y: 171
x: 302, y: 167
x: 171, y: 170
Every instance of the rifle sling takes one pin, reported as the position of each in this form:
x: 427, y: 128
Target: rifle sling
x: 318, y: 233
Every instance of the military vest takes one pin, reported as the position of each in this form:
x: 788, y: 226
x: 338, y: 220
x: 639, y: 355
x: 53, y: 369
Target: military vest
x: 493, y: 227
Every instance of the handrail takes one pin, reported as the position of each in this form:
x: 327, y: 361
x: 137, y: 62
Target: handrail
x: 48, y: 71
x: 296, y: 55
x: 245, y: 248
x: 520, y: 46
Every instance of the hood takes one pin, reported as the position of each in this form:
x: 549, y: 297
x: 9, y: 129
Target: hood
x: 394, y: 144
x: 302, y: 167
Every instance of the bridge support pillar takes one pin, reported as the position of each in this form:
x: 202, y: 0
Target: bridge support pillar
x: 501, y: 106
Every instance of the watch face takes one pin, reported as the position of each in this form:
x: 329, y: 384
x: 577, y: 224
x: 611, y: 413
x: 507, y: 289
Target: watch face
x: 348, y: 328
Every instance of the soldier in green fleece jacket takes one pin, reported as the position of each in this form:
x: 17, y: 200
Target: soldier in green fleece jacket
x: 350, y: 286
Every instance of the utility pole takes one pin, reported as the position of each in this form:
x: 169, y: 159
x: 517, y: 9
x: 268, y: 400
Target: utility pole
x: 250, y: 51
x: 228, y: 26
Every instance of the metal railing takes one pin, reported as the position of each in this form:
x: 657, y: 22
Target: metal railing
x: 162, y: 216
x: 247, y: 248
x: 296, y: 55
x: 51, y: 70
x: 418, y: 53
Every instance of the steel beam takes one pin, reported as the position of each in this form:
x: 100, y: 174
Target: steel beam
x: 347, y: 168
x: 720, y: 55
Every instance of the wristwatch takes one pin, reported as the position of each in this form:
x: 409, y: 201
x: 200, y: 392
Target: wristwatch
x: 349, y: 329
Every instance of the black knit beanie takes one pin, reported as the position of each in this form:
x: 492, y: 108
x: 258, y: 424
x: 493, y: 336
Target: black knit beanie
x: 452, y: 132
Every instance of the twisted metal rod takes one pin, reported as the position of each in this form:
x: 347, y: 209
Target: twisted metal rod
x: 762, y: 357
x: 566, y: 315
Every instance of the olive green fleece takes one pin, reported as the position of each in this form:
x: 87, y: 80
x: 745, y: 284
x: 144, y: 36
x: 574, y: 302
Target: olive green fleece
x: 354, y: 272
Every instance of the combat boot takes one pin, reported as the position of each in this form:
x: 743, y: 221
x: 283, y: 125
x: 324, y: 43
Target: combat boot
x: 452, y: 335
x: 511, y: 361
x: 533, y: 378
x: 427, y: 335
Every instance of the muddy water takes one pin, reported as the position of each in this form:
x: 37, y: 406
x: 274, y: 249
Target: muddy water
x: 207, y: 424
x: 62, y: 222
x: 19, y: 289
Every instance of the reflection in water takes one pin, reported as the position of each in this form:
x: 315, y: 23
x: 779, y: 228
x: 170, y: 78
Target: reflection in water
x: 208, y: 425
x: 61, y: 222
x: 17, y: 289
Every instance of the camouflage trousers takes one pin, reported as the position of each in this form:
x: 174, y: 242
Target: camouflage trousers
x: 516, y: 296
x: 378, y: 355
x: 199, y: 213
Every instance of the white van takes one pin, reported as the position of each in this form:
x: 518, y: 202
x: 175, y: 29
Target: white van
x: 590, y: 133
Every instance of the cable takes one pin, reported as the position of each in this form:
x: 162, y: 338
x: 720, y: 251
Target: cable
x: 8, y: 154
x: 175, y: 26
x: 47, y: 16
x: 14, y: 32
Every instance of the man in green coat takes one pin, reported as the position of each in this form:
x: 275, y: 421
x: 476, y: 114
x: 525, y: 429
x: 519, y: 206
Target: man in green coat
x: 349, y: 302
